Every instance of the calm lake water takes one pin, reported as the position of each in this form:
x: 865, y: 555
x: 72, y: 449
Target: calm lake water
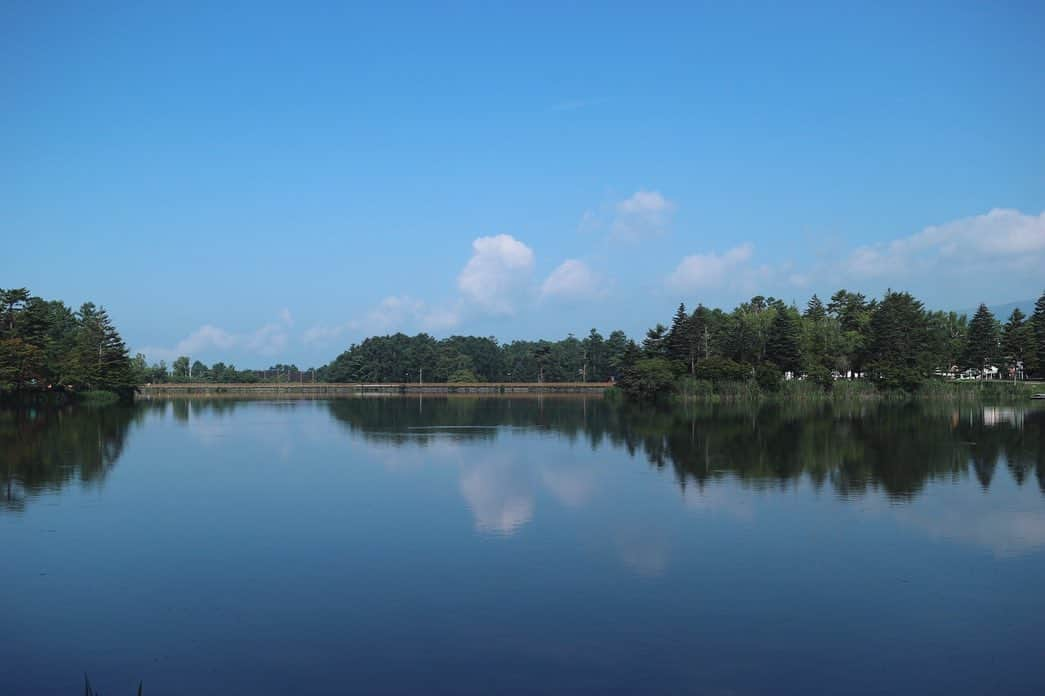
x: 466, y: 545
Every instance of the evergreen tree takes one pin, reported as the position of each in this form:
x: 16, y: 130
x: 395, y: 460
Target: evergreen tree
x: 701, y: 330
x: 853, y: 313
x: 899, y: 355
x: 815, y: 310
x: 617, y: 346
x: 654, y: 343
x: 1019, y: 343
x: 948, y: 338
x: 1037, y: 321
x: 783, y: 344
x: 677, y: 341
x: 851, y: 309
x: 595, y: 357
x: 20, y: 362
x: 820, y: 339
x: 981, y: 343
x: 11, y: 303
x: 101, y: 358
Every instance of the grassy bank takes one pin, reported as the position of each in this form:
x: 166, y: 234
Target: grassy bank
x: 982, y: 391
x: 97, y: 397
x: 689, y: 390
x: 56, y: 397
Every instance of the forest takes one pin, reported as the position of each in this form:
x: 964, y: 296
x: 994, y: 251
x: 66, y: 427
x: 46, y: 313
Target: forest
x: 893, y: 342
x: 44, y: 344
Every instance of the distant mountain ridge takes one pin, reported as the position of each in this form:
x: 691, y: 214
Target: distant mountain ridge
x: 1002, y: 311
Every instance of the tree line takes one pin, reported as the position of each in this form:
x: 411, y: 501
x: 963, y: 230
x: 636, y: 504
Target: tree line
x: 895, y: 342
x: 402, y: 358
x: 184, y: 370
x: 45, y: 344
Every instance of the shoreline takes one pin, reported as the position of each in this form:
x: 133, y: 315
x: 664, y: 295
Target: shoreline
x: 306, y: 389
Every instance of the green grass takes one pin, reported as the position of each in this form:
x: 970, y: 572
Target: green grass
x: 689, y: 390
x: 995, y: 390
x: 98, y: 397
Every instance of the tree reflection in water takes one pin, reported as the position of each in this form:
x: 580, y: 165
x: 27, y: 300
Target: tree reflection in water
x: 895, y: 448
x: 44, y: 449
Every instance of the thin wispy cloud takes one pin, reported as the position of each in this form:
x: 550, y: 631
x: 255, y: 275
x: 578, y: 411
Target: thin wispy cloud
x: 974, y: 252
x: 269, y: 340
x: 642, y: 215
x: 645, y: 214
x: 1001, y: 238
x: 710, y: 270
x: 393, y: 313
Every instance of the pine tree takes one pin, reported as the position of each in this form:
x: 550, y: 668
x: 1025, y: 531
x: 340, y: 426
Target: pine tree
x: 701, y: 329
x: 1010, y: 334
x: 1037, y: 321
x: 783, y: 344
x: 101, y: 360
x: 11, y: 303
x: 654, y: 344
x: 677, y: 340
x: 981, y: 343
x: 1019, y: 346
x: 899, y: 354
x: 815, y: 310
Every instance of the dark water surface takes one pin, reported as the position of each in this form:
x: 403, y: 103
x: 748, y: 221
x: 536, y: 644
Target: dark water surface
x: 486, y: 546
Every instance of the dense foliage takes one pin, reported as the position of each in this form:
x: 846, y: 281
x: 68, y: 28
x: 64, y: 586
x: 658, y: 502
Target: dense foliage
x: 399, y: 358
x: 184, y: 371
x: 895, y: 343
x: 46, y: 345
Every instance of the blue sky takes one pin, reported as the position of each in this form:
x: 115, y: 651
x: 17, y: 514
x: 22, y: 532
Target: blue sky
x: 260, y: 182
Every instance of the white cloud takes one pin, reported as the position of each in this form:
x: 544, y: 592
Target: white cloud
x: 644, y: 214
x: 1000, y: 239
x: 393, y: 313
x: 204, y: 338
x: 269, y: 340
x: 496, y: 274
x: 321, y: 334
x: 573, y: 280
x: 209, y: 340
x: 570, y: 484
x: 500, y: 497
x: 701, y: 271
x: 493, y: 280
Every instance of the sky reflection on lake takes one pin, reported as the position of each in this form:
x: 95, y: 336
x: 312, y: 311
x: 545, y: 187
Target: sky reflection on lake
x: 522, y: 545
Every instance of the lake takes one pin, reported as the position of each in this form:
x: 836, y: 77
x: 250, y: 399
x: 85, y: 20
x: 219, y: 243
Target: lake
x: 522, y: 545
